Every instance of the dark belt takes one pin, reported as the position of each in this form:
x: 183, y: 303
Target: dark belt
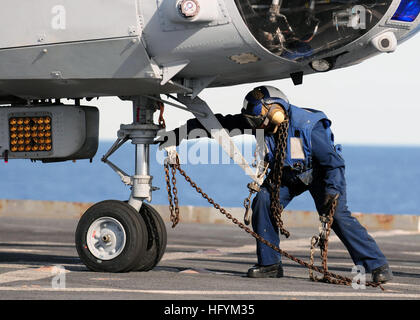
x: 293, y: 178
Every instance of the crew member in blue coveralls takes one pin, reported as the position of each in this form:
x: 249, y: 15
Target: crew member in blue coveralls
x: 312, y: 164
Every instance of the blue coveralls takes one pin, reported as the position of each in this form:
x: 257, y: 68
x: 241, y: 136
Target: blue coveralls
x: 328, y: 178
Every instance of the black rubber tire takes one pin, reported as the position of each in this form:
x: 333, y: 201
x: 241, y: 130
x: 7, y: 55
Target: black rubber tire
x: 135, y: 230
x: 156, y: 244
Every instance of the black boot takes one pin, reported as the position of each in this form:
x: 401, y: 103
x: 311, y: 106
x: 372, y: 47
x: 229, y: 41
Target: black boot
x: 382, y: 274
x: 271, y: 271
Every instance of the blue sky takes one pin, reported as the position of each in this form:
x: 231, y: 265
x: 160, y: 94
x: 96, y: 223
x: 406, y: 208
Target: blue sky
x: 374, y: 103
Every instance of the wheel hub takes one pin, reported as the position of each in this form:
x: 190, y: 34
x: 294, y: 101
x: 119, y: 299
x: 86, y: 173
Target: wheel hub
x: 106, y: 238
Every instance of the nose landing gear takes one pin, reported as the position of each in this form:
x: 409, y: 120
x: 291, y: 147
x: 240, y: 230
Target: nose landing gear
x: 117, y: 236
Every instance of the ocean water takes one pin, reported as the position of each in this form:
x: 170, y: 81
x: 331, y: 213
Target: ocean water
x: 379, y: 179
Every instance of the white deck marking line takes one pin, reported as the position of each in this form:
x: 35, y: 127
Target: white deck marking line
x: 199, y: 254
x: 28, y: 274
x: 413, y: 253
x: 192, y: 246
x: 37, y: 243
x: 215, y: 257
x: 41, y: 264
x: 391, y: 233
x: 19, y: 266
x: 402, y: 244
x: 23, y: 250
x: 396, y: 284
x: 393, y: 266
x: 224, y: 292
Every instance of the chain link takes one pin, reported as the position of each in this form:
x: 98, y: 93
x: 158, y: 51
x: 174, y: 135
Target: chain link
x: 275, y: 176
x: 247, y: 206
x: 173, y: 201
x: 253, y: 187
x: 322, y: 242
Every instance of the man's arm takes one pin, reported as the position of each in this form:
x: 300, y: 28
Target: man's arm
x: 229, y: 122
x: 235, y: 124
x: 329, y: 161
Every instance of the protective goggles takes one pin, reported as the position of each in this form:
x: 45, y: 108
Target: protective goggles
x: 272, y: 113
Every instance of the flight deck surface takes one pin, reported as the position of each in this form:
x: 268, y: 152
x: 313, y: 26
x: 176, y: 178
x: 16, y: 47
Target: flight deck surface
x: 38, y: 260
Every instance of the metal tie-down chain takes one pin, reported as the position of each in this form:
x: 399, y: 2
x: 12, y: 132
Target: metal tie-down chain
x: 322, y: 242
x: 253, y: 188
x: 327, y: 276
x: 275, y: 176
x: 174, y: 210
x: 274, y: 181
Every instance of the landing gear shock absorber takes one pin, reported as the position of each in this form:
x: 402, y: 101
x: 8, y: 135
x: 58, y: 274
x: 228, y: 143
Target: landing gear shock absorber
x: 117, y: 236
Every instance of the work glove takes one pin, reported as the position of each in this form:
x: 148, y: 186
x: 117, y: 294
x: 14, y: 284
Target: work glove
x: 325, y: 212
x: 326, y: 206
x: 167, y: 139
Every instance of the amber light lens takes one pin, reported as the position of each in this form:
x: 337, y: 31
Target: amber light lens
x: 27, y: 134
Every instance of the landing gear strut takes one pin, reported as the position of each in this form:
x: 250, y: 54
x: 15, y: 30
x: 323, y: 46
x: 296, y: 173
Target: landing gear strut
x: 116, y: 236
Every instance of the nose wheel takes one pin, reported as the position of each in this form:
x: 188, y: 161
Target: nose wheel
x: 111, y: 236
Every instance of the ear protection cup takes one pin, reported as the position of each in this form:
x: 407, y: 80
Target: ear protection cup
x: 276, y: 115
x: 273, y: 116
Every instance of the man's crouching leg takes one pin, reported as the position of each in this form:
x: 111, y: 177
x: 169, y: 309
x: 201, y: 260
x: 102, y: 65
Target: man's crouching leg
x: 362, y: 248
x: 269, y: 261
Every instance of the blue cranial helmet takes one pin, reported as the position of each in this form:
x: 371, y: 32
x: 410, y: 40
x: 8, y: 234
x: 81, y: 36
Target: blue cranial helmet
x: 258, y: 98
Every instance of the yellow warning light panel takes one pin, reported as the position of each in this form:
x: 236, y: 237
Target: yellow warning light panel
x: 30, y: 134
x: 49, y: 133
